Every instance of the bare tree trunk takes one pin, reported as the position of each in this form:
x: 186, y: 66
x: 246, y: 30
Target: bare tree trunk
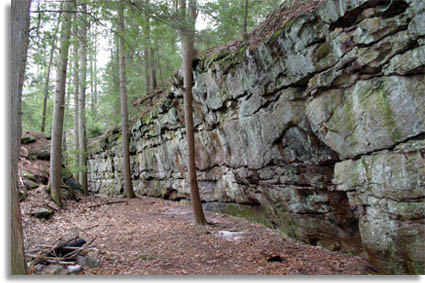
x: 147, y: 53
x: 187, y: 36
x: 19, y: 46
x: 158, y: 62
x: 64, y: 148
x: 91, y: 71
x: 64, y: 140
x: 245, y: 20
x: 76, y: 131
x: 46, y: 88
x: 58, y: 110
x: 115, y: 78
x: 128, y: 186
x: 82, y: 101
x: 95, y: 72
x: 152, y: 67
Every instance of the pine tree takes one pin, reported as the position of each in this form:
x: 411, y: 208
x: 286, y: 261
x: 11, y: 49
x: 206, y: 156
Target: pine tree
x: 58, y: 110
x: 128, y: 186
x: 82, y: 103
x: 187, y: 33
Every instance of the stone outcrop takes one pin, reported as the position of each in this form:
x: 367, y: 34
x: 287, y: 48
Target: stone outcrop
x: 322, y: 126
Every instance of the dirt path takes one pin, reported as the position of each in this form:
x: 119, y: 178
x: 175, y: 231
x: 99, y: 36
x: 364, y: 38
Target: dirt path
x: 149, y: 236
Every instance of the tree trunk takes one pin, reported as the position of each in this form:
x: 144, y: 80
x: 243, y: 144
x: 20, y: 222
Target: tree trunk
x: 152, y: 67
x: 58, y: 110
x: 115, y: 78
x: 158, y: 62
x: 95, y: 73
x: 147, y: 53
x: 64, y: 147
x: 128, y: 186
x: 76, y: 131
x: 245, y: 20
x: 187, y: 36
x: 46, y: 88
x: 82, y: 103
x: 65, y: 154
x: 20, y: 20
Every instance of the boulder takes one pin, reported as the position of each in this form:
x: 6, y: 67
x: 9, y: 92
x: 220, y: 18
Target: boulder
x: 28, y: 175
x: 41, y: 212
x: 27, y: 138
x: 29, y: 184
x: 74, y: 268
x: 88, y: 261
x: 54, y: 269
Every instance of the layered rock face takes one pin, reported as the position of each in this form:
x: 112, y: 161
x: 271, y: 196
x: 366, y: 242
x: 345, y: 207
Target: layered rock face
x: 322, y: 126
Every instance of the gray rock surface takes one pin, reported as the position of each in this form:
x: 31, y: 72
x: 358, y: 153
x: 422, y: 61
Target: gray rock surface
x: 387, y: 191
x: 322, y: 126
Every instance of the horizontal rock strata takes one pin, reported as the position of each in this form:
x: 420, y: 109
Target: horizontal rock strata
x: 322, y: 126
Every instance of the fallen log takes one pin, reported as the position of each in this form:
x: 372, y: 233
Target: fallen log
x: 61, y: 252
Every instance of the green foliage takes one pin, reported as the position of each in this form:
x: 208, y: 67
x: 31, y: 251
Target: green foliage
x: 71, y: 169
x: 226, y: 19
x: 222, y: 22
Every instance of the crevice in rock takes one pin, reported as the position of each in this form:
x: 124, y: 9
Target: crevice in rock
x: 353, y: 17
x: 395, y: 7
x: 419, y: 136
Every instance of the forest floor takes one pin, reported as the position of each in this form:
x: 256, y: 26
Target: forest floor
x: 150, y: 236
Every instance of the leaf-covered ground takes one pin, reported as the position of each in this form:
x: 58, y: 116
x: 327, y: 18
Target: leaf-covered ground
x: 150, y: 236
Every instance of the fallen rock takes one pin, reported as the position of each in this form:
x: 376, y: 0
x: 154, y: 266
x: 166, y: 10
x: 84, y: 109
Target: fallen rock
x: 28, y: 175
x: 229, y: 235
x: 39, y: 267
x: 27, y: 139
x: 41, y: 212
x: 73, y: 184
x: 88, y: 261
x: 41, y: 154
x: 54, y: 269
x: 29, y: 184
x: 74, y: 268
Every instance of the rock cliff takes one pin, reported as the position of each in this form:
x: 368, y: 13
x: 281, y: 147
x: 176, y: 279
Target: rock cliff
x: 322, y: 126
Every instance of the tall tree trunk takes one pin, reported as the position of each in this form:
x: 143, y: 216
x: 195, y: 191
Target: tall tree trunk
x: 147, y: 53
x: 152, y: 67
x: 245, y: 20
x: 128, y: 186
x: 95, y: 73
x: 91, y: 70
x: 76, y: 131
x: 82, y: 101
x: 58, y: 110
x: 47, y: 82
x: 158, y: 62
x: 187, y: 36
x: 20, y: 20
x: 46, y: 88
x: 64, y: 140
x: 64, y: 148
